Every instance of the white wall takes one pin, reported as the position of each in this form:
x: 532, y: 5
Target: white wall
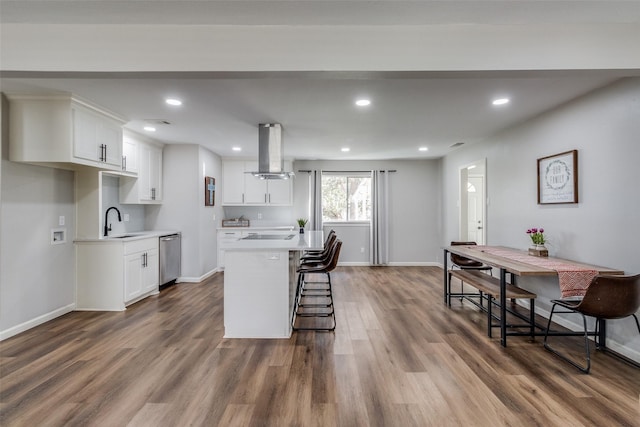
x: 37, y: 280
x: 602, y: 228
x: 210, y: 165
x: 414, y: 210
x: 184, y: 168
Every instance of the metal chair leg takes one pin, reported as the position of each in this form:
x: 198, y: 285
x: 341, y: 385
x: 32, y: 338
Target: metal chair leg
x: 584, y: 369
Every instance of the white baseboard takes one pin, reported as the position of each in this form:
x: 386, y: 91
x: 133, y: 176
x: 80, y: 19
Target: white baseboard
x: 198, y: 279
x: 8, y: 333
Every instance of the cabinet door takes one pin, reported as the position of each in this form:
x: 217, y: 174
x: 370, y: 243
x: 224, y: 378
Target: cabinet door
x: 151, y: 271
x: 129, y: 155
x: 133, y: 276
x: 85, y: 127
x: 279, y: 192
x: 233, y: 183
x: 109, y: 134
x: 155, y: 172
x: 255, y: 189
x: 150, y: 173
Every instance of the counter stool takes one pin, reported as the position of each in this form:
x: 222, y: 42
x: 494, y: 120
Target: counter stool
x: 315, y: 299
x: 321, y: 254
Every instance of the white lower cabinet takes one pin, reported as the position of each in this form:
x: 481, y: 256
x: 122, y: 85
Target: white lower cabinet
x: 112, y: 274
x: 140, y: 274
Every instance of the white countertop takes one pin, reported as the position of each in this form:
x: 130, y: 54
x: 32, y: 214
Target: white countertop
x: 311, y: 240
x: 258, y: 228
x: 136, y: 235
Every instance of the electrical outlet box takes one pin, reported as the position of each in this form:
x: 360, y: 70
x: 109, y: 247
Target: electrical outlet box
x: 58, y: 236
x: 61, y: 220
x: 126, y: 217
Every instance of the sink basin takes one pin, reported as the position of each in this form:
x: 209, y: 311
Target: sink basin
x: 124, y: 236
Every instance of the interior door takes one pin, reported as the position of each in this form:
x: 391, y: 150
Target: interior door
x: 475, y: 213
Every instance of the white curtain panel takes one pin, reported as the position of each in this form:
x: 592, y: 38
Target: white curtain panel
x: 379, y: 241
x: 315, y: 198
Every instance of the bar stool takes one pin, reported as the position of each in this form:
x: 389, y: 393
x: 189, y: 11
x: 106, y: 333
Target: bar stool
x: 315, y: 299
x: 331, y: 236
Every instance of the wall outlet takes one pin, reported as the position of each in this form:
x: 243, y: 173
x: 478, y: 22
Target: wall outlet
x: 61, y: 220
x: 259, y: 215
x: 126, y: 217
x: 214, y: 217
x: 362, y: 250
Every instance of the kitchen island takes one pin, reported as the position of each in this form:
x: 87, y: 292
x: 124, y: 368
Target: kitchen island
x: 260, y: 283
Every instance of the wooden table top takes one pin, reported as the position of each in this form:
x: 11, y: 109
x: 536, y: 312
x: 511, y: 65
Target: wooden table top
x: 517, y: 267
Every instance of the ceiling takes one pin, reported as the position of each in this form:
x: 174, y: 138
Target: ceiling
x: 408, y: 109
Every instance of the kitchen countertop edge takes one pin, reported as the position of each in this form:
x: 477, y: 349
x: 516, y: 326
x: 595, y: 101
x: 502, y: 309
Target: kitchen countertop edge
x: 136, y: 235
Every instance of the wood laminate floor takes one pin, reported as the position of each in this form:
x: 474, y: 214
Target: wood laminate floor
x: 399, y: 357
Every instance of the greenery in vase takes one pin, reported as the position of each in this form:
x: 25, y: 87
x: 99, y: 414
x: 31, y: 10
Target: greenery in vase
x: 302, y: 222
x: 537, y: 235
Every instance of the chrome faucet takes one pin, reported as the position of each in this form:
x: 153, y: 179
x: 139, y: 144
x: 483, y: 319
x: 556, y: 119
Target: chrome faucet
x: 107, y: 227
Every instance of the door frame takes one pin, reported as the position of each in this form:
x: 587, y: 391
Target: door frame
x: 463, y: 200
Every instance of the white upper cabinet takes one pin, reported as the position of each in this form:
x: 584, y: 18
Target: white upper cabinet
x: 129, y: 155
x: 146, y: 188
x: 62, y: 131
x: 233, y: 183
x: 242, y: 188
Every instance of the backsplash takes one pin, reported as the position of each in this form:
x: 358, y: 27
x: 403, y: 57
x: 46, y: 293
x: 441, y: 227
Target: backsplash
x: 263, y: 216
x: 110, y: 197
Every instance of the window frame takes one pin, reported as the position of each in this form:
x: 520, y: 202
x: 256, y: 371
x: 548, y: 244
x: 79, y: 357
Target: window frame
x: 349, y: 174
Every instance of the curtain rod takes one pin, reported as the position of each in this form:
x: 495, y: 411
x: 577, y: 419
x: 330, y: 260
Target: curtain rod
x: 309, y: 171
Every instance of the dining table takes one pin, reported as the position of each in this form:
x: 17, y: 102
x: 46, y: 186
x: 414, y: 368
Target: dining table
x: 574, y: 277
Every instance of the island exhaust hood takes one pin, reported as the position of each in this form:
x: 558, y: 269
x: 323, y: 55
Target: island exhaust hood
x: 270, y: 155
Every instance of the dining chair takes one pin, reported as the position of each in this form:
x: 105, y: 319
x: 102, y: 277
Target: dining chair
x: 607, y: 297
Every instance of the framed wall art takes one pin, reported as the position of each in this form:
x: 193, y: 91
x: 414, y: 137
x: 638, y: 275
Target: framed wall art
x: 209, y: 191
x: 558, y: 178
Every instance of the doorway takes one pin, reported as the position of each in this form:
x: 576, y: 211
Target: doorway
x: 473, y: 202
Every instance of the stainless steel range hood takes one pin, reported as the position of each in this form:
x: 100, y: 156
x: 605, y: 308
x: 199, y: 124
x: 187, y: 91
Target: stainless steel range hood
x: 270, y: 153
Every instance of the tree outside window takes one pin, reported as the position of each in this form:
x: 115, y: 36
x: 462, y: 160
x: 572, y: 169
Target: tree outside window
x: 346, y: 198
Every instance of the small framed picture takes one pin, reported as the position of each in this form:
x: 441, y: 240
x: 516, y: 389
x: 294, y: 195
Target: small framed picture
x: 209, y: 191
x: 558, y: 178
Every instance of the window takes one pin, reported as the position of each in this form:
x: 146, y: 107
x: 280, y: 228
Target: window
x: 346, y: 197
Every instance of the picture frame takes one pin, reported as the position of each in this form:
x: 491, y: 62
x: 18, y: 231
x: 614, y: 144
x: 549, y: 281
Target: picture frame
x: 558, y: 178
x: 209, y: 191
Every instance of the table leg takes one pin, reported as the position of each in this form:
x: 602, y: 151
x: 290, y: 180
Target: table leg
x: 503, y: 307
x: 601, y: 344
x: 447, y: 285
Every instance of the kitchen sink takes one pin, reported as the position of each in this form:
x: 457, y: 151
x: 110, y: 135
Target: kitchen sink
x: 124, y: 236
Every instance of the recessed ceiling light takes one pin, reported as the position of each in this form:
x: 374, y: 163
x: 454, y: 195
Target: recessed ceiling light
x: 363, y: 102
x: 423, y: 149
x: 345, y: 149
x: 173, y: 101
x: 149, y: 128
x: 236, y: 148
x: 500, y: 101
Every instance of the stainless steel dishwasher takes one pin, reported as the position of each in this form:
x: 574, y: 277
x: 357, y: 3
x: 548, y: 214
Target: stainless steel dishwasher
x: 170, y: 253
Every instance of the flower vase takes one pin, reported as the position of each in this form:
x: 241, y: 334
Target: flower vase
x: 301, y: 230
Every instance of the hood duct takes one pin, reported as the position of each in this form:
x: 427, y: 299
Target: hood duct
x: 270, y: 153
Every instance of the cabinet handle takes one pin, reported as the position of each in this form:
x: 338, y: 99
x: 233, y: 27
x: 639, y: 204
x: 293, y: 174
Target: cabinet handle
x: 153, y: 194
x: 124, y: 163
x: 102, y: 153
x: 105, y: 153
x: 265, y: 197
x: 269, y: 197
x: 242, y: 197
